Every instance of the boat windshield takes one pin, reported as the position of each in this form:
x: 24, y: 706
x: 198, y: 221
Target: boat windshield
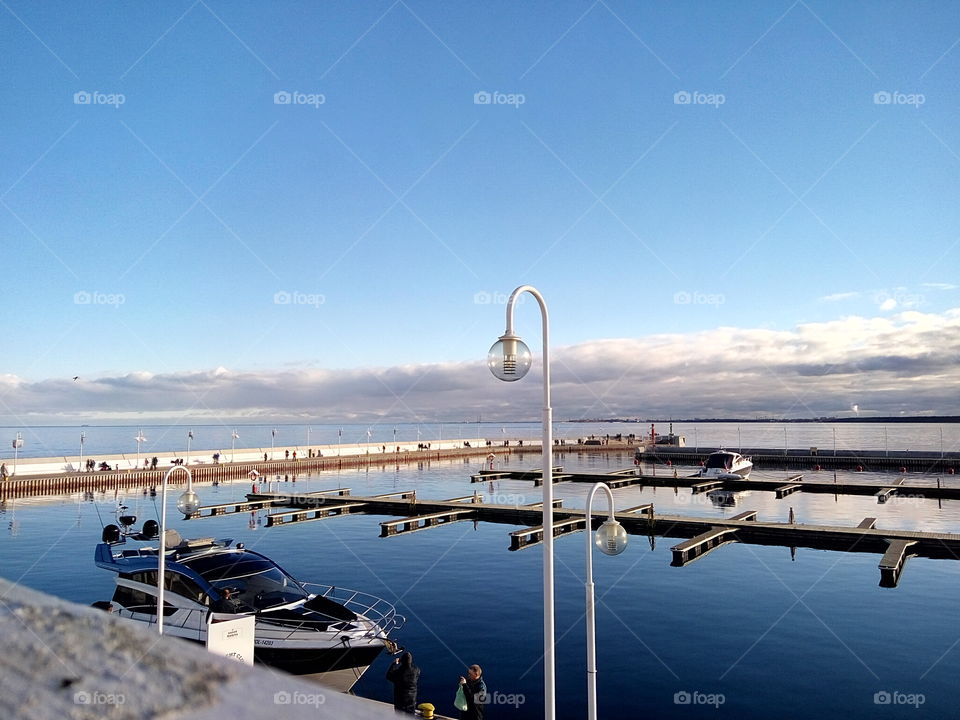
x: 720, y: 460
x: 248, y: 582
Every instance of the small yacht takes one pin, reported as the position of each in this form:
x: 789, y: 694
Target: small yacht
x: 727, y: 465
x: 328, y: 633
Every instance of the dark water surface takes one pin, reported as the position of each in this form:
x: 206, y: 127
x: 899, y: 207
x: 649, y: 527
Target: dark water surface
x: 744, y: 632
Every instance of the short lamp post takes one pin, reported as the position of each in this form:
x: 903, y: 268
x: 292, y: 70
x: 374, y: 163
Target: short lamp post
x: 140, y: 439
x: 17, y: 444
x: 509, y: 360
x: 187, y: 503
x: 611, y: 538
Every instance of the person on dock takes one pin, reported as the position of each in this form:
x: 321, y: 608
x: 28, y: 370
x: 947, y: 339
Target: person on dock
x: 475, y: 692
x: 153, y: 463
x: 404, y: 675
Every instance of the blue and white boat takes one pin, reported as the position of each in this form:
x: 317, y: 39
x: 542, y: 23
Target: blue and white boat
x: 727, y: 465
x: 328, y: 633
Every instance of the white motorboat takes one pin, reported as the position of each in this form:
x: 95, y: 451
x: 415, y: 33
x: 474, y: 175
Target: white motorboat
x: 329, y: 633
x: 727, y: 465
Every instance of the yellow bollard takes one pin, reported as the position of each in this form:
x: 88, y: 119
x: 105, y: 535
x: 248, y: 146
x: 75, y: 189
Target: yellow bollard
x: 426, y: 710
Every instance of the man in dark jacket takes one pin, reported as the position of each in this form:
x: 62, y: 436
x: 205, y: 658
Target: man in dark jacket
x: 404, y: 675
x: 475, y: 692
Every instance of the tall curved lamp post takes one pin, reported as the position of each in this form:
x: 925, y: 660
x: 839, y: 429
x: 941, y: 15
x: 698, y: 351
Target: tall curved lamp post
x: 83, y: 436
x: 509, y: 360
x: 611, y: 538
x: 187, y: 503
x: 233, y: 443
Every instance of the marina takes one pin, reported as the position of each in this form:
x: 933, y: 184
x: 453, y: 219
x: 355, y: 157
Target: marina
x: 404, y: 531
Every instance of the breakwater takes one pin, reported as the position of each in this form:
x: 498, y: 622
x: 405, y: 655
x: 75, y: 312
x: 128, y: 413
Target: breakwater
x: 66, y: 483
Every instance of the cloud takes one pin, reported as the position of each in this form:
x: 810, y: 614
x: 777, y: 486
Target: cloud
x: 905, y: 362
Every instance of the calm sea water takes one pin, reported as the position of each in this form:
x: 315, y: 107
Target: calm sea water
x: 57, y: 441
x: 746, y: 632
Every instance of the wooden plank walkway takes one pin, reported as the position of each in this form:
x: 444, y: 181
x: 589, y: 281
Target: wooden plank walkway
x: 893, y: 561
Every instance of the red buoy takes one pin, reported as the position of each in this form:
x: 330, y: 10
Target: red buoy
x: 816, y: 467
x: 669, y: 463
x: 950, y: 471
x: 902, y: 469
x: 859, y: 468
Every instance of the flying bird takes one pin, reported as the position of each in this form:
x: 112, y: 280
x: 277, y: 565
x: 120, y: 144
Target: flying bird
x: 76, y: 377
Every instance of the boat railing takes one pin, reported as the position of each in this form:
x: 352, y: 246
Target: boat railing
x: 381, y: 614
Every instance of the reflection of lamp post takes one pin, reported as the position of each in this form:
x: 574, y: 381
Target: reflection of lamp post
x: 509, y: 360
x: 140, y: 439
x: 233, y: 443
x: 612, y: 540
x: 187, y: 503
x: 83, y: 436
x: 17, y: 444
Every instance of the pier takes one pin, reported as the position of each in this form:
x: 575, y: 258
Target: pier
x: 701, y: 535
x: 928, y: 462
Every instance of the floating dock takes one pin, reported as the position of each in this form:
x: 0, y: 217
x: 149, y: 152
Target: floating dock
x: 702, y: 534
x: 827, y: 459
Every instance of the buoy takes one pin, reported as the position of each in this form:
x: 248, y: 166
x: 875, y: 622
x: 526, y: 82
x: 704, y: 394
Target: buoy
x: 816, y: 467
x: 669, y: 463
x: 950, y: 471
x: 636, y: 461
x: 859, y: 468
x: 902, y: 469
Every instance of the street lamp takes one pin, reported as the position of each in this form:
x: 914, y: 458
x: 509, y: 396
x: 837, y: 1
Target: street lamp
x: 509, y: 360
x: 83, y: 436
x: 233, y: 443
x: 140, y: 439
x: 189, y: 440
x: 17, y: 444
x: 187, y: 503
x: 611, y: 538
x: 273, y: 440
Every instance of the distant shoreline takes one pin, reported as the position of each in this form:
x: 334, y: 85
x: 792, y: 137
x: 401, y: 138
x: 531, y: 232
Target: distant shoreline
x: 893, y: 419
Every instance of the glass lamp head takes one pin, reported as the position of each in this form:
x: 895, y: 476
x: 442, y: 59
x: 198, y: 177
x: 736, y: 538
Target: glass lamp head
x: 611, y: 538
x: 509, y: 358
x: 188, y: 503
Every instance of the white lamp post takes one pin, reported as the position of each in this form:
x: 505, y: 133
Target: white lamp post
x: 187, y: 503
x: 17, y: 444
x: 611, y: 538
x: 233, y: 443
x: 273, y: 440
x: 83, y: 436
x: 509, y: 360
x: 189, y: 440
x: 140, y: 439
x: 308, y: 436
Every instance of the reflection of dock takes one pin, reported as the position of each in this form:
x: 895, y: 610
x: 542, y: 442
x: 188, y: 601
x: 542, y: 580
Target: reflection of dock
x: 702, y: 534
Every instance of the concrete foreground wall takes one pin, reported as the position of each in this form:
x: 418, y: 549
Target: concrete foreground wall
x: 66, y: 661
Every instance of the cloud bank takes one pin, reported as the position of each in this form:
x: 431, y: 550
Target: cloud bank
x: 903, y: 363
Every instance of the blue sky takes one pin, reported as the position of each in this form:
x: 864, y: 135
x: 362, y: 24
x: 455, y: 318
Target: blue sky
x: 658, y: 170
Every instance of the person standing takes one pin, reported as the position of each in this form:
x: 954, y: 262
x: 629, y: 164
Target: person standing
x: 475, y: 692
x: 404, y: 675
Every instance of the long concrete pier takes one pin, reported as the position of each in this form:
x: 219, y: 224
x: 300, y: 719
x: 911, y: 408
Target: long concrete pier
x: 917, y: 461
